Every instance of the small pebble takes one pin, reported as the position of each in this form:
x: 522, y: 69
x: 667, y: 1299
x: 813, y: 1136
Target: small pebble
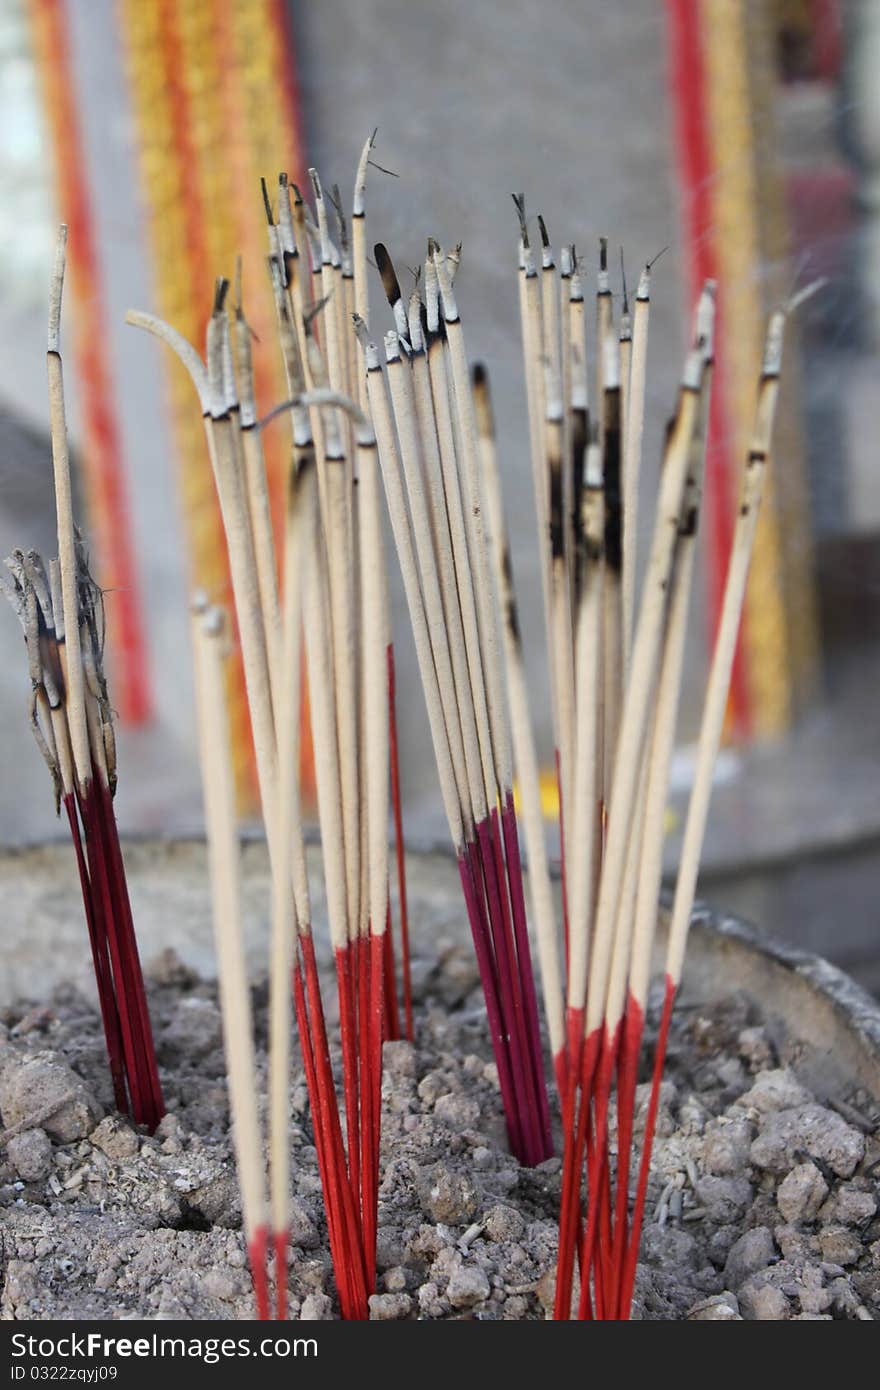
x: 776, y: 1090
x: 115, y: 1138
x: 31, y: 1088
x: 303, y: 1230
x: 316, y: 1307
x: 468, y: 1285
x: 839, y: 1245
x: 721, y: 1307
x: 386, y: 1307
x: 30, y: 1154
x: 430, y: 1303
x: 446, y: 1195
x: 801, y: 1193
x: 850, y: 1206
x: 515, y: 1307
x: 752, y: 1252
x: 504, y: 1223
x: 725, y: 1199
x: 785, y: 1135
x: 762, y: 1302
x: 726, y: 1144
x: 813, y: 1296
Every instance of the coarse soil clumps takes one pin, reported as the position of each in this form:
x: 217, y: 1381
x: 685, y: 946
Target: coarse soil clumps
x: 763, y: 1201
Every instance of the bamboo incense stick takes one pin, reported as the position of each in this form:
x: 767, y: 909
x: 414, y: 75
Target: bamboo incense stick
x: 722, y: 660
x: 362, y: 311
x: 612, y: 632
x: 258, y: 499
x: 635, y: 934
x: 75, y: 682
x: 604, y: 315
x: 284, y: 910
x: 323, y: 708
x: 223, y: 865
x: 566, y: 266
x: 627, y: 535
x: 635, y: 430
x: 526, y: 759
x: 239, y: 538
x: 376, y: 740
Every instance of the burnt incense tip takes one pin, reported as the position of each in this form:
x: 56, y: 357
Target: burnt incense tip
x: 221, y: 290
x: 603, y: 254
x: 545, y: 235
x: 342, y: 223
x: 386, y: 270
x: 557, y: 512
x: 519, y: 202
x: 482, y: 401
x: 511, y: 613
x: 298, y: 198
x: 623, y: 282
x: 267, y: 202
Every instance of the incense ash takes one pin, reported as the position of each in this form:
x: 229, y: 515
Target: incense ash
x: 387, y: 415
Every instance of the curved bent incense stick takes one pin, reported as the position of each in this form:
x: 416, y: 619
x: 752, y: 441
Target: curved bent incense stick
x: 75, y: 682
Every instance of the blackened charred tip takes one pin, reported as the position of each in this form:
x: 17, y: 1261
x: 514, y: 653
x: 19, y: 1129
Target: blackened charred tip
x: 519, y: 202
x: 386, y: 270
x: 267, y: 202
x: 221, y: 289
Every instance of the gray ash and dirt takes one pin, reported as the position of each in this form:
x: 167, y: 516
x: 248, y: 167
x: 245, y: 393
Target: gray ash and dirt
x: 763, y: 1201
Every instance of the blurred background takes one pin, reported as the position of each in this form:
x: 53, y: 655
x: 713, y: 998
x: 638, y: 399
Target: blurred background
x: 744, y: 135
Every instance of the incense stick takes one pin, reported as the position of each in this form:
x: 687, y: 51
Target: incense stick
x: 223, y: 866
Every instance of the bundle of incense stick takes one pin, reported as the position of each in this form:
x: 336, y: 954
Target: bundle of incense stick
x: 335, y: 596
x: 422, y: 410
x: 412, y: 410
x: 61, y: 612
x: 616, y: 668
